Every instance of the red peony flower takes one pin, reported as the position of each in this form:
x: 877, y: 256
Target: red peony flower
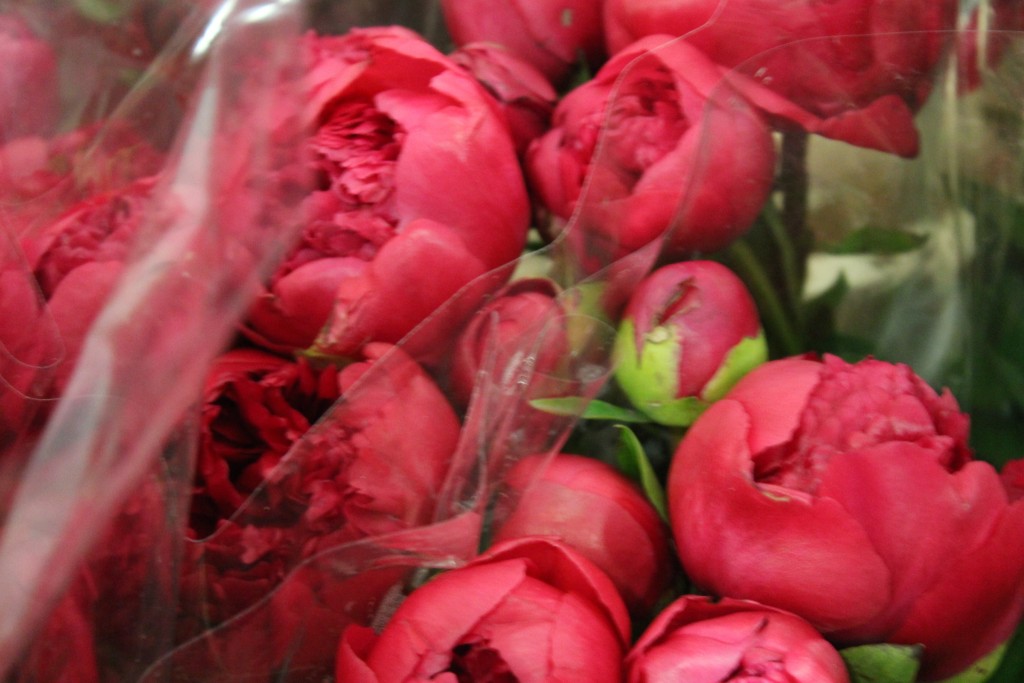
x: 636, y: 154
x: 551, y: 36
x: 864, y: 66
x: 847, y: 494
x: 413, y: 168
x: 295, y: 460
x: 78, y: 259
x: 697, y: 640
x: 529, y: 610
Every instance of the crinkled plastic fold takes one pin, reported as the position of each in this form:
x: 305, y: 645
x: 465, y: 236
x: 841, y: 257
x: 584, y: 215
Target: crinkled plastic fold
x: 190, y: 278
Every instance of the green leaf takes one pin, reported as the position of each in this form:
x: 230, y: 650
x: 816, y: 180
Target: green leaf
x: 831, y: 297
x: 882, y: 663
x: 633, y: 461
x: 874, y: 240
x: 589, y: 409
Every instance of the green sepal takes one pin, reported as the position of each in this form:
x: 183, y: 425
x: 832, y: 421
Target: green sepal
x: 741, y: 359
x: 648, y: 375
x: 882, y: 663
x: 680, y: 412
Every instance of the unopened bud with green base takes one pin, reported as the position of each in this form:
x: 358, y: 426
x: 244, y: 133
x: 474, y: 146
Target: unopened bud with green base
x: 650, y: 378
x: 689, y: 333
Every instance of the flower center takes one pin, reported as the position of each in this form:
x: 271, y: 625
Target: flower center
x: 354, y: 154
x: 645, y: 122
x: 252, y: 425
x: 355, y: 151
x: 637, y: 128
x: 477, y: 662
x: 859, y: 407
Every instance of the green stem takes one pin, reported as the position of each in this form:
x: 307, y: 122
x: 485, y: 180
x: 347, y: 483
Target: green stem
x: 780, y: 329
x: 795, y: 183
x: 789, y: 259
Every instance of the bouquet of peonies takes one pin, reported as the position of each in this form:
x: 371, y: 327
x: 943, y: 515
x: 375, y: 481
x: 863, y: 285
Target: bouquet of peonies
x: 511, y: 340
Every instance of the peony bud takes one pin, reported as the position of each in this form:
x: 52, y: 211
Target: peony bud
x: 590, y: 506
x: 690, y: 332
x: 523, y: 323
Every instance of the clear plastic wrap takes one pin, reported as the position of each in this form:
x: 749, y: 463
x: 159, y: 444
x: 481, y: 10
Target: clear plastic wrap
x: 184, y: 127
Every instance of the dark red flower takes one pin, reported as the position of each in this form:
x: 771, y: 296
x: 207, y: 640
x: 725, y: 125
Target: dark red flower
x: 295, y: 459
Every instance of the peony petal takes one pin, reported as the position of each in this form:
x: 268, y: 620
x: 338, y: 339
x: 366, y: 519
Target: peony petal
x: 916, y: 514
x: 437, y: 616
x: 789, y: 382
x: 355, y: 644
x: 394, y: 472
x: 296, y: 308
x: 886, y: 124
x: 977, y: 601
x: 812, y: 559
x: 75, y: 304
x: 591, y: 507
x: 470, y: 149
x: 584, y: 646
x: 403, y: 286
x: 565, y: 568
